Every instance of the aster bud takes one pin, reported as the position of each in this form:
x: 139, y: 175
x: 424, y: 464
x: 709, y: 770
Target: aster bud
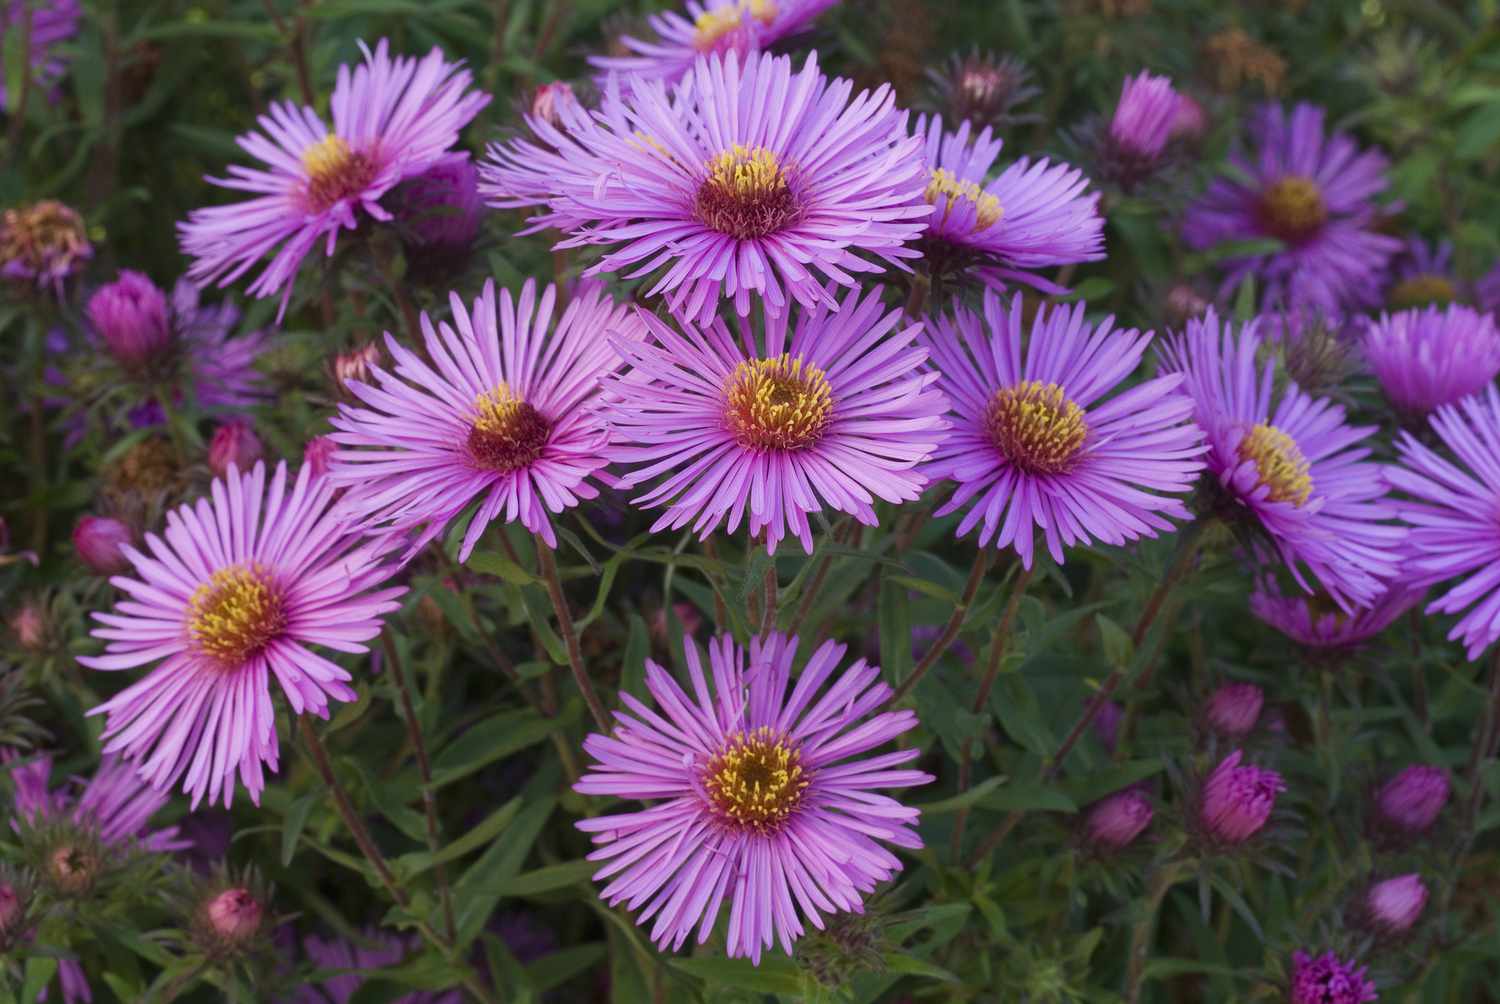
x: 1412, y: 800
x: 355, y: 365
x: 1183, y: 303
x: 11, y: 907
x: 1107, y: 725
x: 73, y: 867
x: 99, y: 542
x: 1115, y: 821
x: 130, y: 315
x: 233, y: 916
x: 1236, y: 800
x: 1328, y: 980
x: 1143, y: 119
x: 318, y: 454
x: 981, y: 88
x: 1394, y: 905
x: 1189, y: 121
x: 1233, y: 710
x: 234, y: 442
x: 549, y: 101
x: 440, y: 208
x: 28, y: 623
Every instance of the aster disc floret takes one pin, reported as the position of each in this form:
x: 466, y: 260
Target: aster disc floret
x: 1455, y: 538
x: 761, y: 791
x: 745, y: 27
x: 747, y: 179
x: 1422, y: 275
x: 501, y: 412
x: 1328, y: 979
x: 1291, y: 463
x: 1037, y: 442
x: 393, y: 118
x: 1425, y: 358
x: 1311, y: 190
x: 832, y: 413
x: 1032, y: 215
x: 236, y: 593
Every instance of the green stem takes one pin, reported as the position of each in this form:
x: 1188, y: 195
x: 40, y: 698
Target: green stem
x: 1140, y: 936
x: 950, y: 630
x: 548, y: 568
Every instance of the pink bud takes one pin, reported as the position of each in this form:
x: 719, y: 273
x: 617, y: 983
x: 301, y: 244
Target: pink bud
x: 234, y: 442
x: 1237, y: 801
x: 29, y: 624
x: 1143, y: 119
x: 355, y: 365
x: 1396, y: 903
x: 130, y: 314
x: 1412, y: 800
x: 99, y: 542
x: 1107, y: 725
x: 1190, y: 120
x: 549, y: 101
x: 1234, y: 709
x: 1115, y: 821
x: 234, y: 915
x: 11, y: 906
x: 318, y: 454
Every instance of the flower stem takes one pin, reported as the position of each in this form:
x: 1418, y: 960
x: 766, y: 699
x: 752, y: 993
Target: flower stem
x: 768, y: 603
x: 1162, y: 881
x: 950, y: 630
x: 548, y: 567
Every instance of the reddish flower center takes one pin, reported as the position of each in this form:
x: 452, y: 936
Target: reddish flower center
x: 335, y: 172
x: 747, y: 194
x: 236, y: 613
x: 1293, y: 208
x: 1421, y: 290
x: 1279, y: 464
x: 508, y: 433
x: 777, y: 404
x: 1036, y: 426
x: 712, y: 25
x: 756, y: 781
x: 946, y: 190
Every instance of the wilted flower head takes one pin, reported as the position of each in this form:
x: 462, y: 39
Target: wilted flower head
x: 42, y: 243
x: 98, y: 542
x: 1394, y: 905
x: 1412, y: 800
x: 982, y: 88
x: 1113, y: 822
x: 1328, y: 980
x: 29, y: 624
x: 130, y: 315
x: 356, y: 365
x: 234, y: 443
x: 1431, y: 357
x: 1237, y: 800
x: 439, y: 210
x: 1233, y: 710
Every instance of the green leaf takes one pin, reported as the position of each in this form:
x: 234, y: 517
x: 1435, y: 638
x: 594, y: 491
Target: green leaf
x: 495, y: 738
x: 549, y: 878
x: 493, y: 825
x: 557, y: 968
x: 962, y: 801
x: 1029, y: 797
x: 1479, y: 135
x: 39, y: 972
x: 484, y: 882
x: 292, y: 824
x: 1119, y: 650
x: 499, y: 565
x: 895, y: 630
x: 910, y: 965
x: 774, y: 975
x: 1096, y: 784
x: 925, y: 587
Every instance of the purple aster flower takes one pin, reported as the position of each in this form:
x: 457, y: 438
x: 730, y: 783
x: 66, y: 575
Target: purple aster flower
x: 1310, y: 190
x: 99, y: 542
x: 1037, y: 447
x: 1454, y: 534
x: 376, y: 950
x: 760, y: 795
x: 1431, y: 357
x: 1296, y: 468
x: 1394, y: 905
x: 52, y: 21
x: 243, y: 583
x: 832, y: 413
x: 1033, y: 215
x: 221, y: 365
x: 1316, y: 622
x: 1328, y: 980
x: 1233, y: 709
x: 1421, y: 275
x: 504, y: 414
x: 743, y: 27
x: 746, y: 178
x: 1114, y: 822
x: 43, y: 243
x: 1236, y: 800
x: 440, y: 208
x: 1144, y: 119
x: 392, y: 120
x: 1412, y: 800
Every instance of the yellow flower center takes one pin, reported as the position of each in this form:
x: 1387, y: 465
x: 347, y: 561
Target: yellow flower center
x: 1293, y: 208
x: 712, y: 25
x: 947, y: 188
x: 1280, y: 463
x: 508, y: 433
x: 756, y: 781
x: 1422, y: 290
x: 777, y: 404
x: 746, y: 194
x: 235, y: 614
x: 335, y: 172
x: 1036, y: 426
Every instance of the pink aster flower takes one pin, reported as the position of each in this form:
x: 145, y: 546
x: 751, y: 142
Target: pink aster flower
x: 832, y: 413
x: 392, y: 119
x: 1033, y: 215
x: 1454, y: 536
x: 240, y: 588
x: 1311, y: 190
x: 746, y: 178
x: 1296, y: 469
x: 1329, y: 980
x: 744, y: 27
x: 760, y: 795
x: 504, y: 414
x: 1430, y: 357
x: 1036, y: 446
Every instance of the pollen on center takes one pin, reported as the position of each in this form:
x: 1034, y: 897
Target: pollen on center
x: 780, y: 403
x: 756, y: 781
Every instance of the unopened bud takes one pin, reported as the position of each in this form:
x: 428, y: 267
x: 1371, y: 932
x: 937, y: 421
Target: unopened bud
x: 99, y: 542
x: 1234, y: 709
x: 1236, y: 801
x: 234, y: 442
x: 1412, y: 800
x: 1395, y: 904
x: 130, y: 315
x: 29, y: 625
x: 72, y: 869
x: 234, y: 915
x: 11, y: 907
x: 1117, y: 820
